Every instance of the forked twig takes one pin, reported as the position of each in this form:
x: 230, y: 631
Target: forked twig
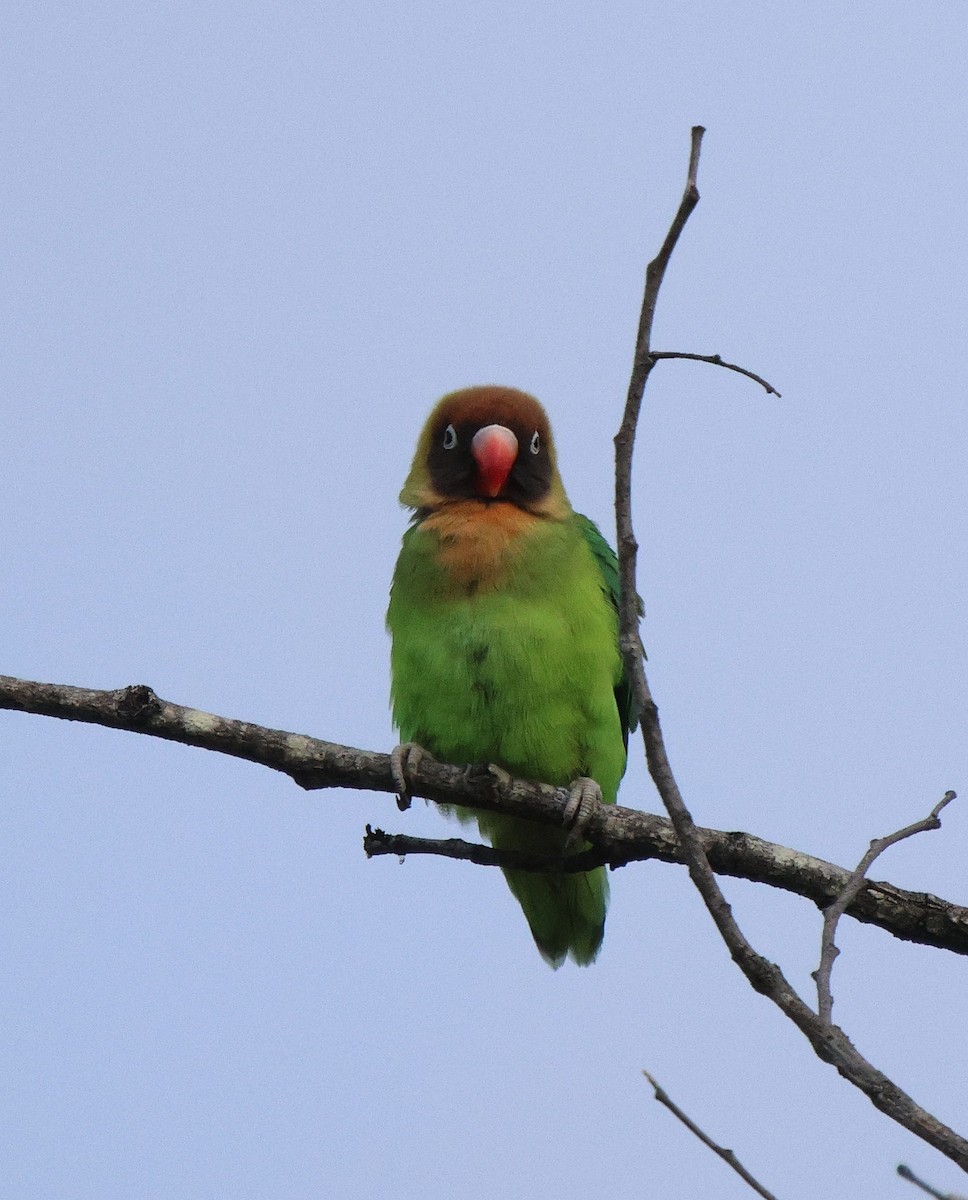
x: 833, y: 912
x: 828, y: 1041
x: 726, y: 1155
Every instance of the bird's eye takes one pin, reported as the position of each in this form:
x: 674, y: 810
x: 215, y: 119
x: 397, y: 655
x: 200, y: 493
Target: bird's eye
x: 450, y: 437
x: 535, y: 443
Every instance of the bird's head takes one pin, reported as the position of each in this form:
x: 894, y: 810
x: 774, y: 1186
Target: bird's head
x: 491, y: 444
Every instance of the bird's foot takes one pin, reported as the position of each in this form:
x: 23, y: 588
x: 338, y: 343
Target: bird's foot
x: 584, y: 796
x: 404, y: 760
x: 502, y: 778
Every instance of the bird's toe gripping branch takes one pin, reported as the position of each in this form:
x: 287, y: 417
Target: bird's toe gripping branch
x: 404, y: 760
x: 584, y: 796
x: 502, y: 778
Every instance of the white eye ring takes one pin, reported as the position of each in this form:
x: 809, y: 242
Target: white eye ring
x: 535, y: 442
x: 450, y: 437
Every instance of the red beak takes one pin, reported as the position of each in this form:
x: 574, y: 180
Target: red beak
x: 494, y: 448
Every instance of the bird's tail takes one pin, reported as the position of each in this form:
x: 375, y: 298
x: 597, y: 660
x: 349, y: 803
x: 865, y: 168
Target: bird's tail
x: 566, y: 911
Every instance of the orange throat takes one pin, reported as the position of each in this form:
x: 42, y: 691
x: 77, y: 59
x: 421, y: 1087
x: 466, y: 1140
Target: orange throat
x: 479, y: 542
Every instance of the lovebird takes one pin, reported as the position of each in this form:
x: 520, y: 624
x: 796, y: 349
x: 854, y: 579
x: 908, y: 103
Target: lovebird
x: 504, y: 624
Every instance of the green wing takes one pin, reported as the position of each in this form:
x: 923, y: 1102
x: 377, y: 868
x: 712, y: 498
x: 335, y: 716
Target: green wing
x: 607, y: 563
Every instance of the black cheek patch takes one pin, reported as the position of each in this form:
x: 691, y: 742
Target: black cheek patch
x: 530, y: 478
x: 452, y: 472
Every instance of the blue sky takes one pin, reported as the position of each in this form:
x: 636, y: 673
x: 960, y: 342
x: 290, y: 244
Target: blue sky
x: 245, y: 247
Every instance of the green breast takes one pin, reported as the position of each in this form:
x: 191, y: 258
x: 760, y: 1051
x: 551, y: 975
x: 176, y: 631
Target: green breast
x: 522, y: 675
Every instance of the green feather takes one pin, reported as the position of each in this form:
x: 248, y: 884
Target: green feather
x: 525, y: 674
x: 607, y: 561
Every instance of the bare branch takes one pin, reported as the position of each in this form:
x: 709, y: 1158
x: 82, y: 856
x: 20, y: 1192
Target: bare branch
x: 833, y: 913
x: 828, y: 1041
x: 716, y: 361
x: 621, y: 835
x: 726, y: 1155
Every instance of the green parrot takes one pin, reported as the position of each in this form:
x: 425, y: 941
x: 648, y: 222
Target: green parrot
x: 503, y: 618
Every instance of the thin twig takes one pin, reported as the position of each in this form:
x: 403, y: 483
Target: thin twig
x: 377, y: 842
x: 828, y: 1041
x: 716, y: 361
x: 642, y: 364
x: 726, y: 1155
x: 833, y: 913
x: 908, y: 1174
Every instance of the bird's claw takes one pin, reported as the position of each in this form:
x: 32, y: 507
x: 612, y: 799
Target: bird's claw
x: 404, y: 760
x: 584, y: 796
x: 501, y: 777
